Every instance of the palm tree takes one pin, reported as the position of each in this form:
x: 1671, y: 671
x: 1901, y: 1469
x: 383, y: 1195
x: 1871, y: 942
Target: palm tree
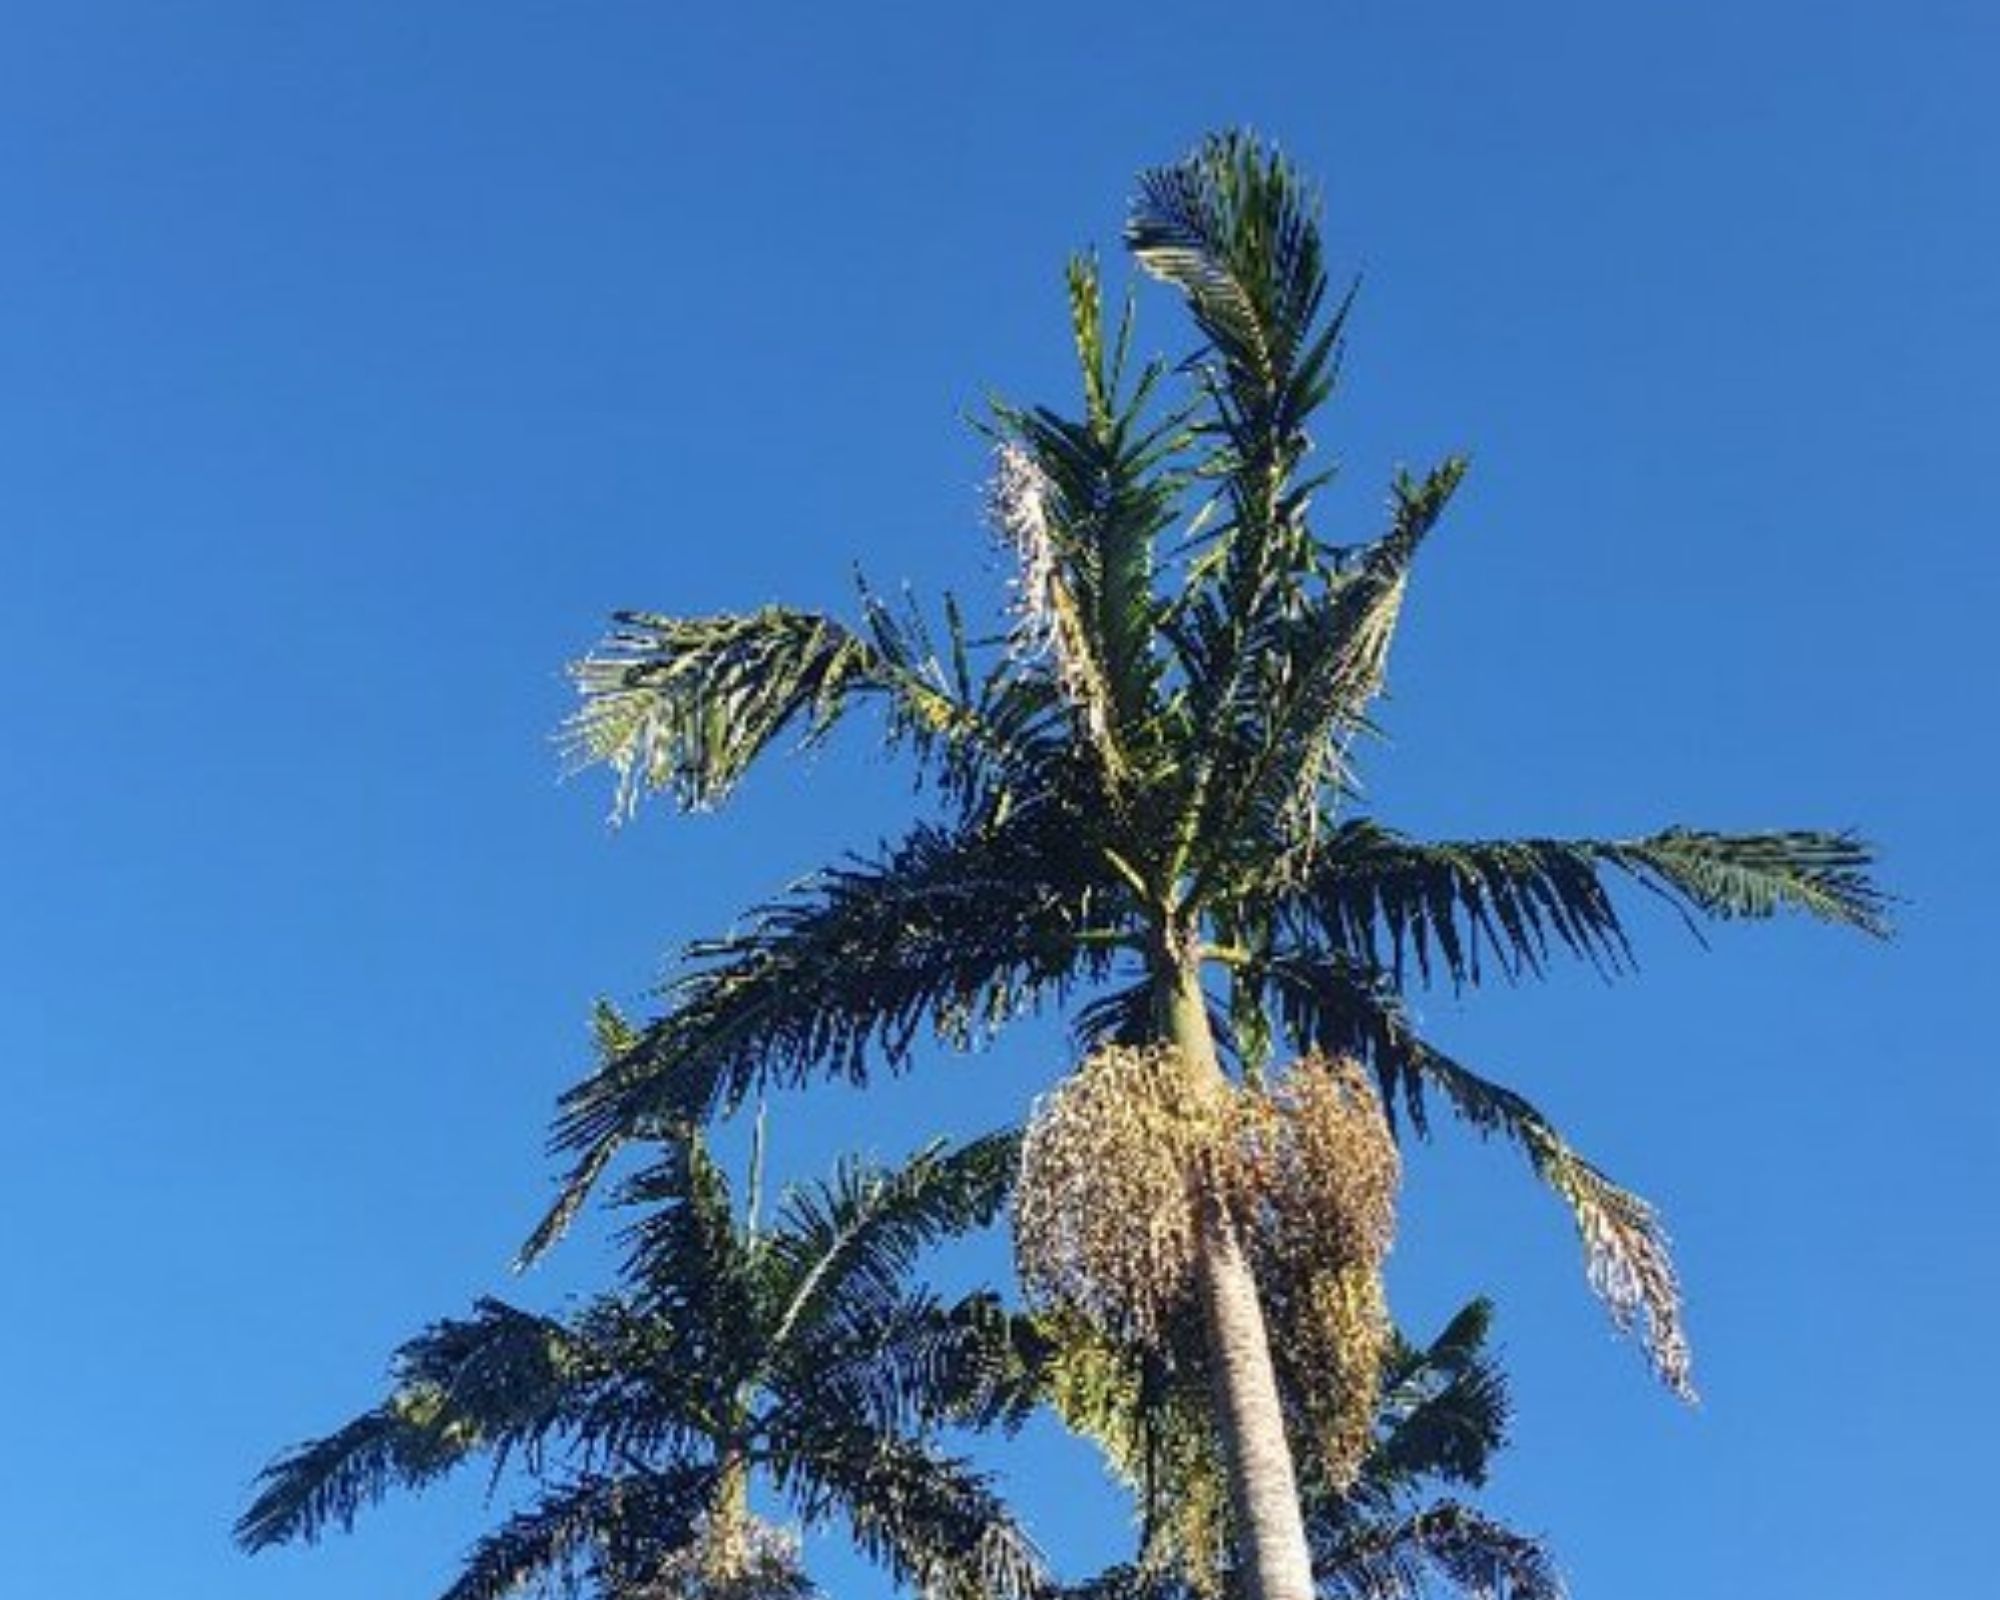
x: 1439, y: 1415
x: 795, y: 1353
x: 1146, y: 781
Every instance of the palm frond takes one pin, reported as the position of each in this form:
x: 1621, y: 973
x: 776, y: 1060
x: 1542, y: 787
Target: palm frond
x: 1728, y: 875
x: 851, y: 1242
x: 929, y: 1519
x: 1278, y: 741
x: 1235, y: 229
x: 491, y: 1383
x: 692, y: 1272
x: 1081, y: 504
x: 602, y: 1530
x: 914, y: 1366
x: 1450, y: 908
x: 1328, y: 1002
x: 957, y: 930
x: 1475, y: 1555
x: 326, y: 1483
x: 1444, y: 1410
x: 683, y: 705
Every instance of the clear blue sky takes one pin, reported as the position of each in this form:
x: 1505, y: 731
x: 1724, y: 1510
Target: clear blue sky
x: 354, y: 360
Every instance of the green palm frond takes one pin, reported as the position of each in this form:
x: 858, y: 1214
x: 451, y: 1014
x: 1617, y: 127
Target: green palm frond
x: 494, y: 1382
x: 1444, y: 1409
x: 1471, y: 1553
x: 607, y: 1531
x: 1234, y: 228
x: 683, y: 705
x: 1280, y: 746
x: 1450, y: 907
x: 955, y: 930
x: 325, y: 1484
x: 859, y: 1233
x: 1727, y: 875
x: 1082, y: 503
x: 691, y: 1269
x: 502, y: 1375
x: 931, y: 1520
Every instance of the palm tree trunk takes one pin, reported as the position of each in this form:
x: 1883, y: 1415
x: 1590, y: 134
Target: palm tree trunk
x: 1262, y: 1486
x: 729, y: 1523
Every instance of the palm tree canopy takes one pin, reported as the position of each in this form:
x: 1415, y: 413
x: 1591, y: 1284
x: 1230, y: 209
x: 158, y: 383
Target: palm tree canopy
x: 1151, y: 761
x: 797, y: 1352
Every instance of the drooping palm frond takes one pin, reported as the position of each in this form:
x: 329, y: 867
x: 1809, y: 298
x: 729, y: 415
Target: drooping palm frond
x: 1327, y: 1002
x: 604, y: 1530
x: 1473, y: 1554
x: 326, y: 1483
x: 955, y: 930
x: 495, y: 1381
x: 1624, y: 1245
x: 1450, y: 908
x: 928, y: 1518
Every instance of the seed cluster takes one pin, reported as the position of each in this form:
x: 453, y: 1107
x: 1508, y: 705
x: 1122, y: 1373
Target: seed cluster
x: 1117, y: 1164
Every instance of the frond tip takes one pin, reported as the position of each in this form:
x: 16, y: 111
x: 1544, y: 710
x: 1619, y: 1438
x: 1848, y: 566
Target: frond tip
x: 1625, y: 1248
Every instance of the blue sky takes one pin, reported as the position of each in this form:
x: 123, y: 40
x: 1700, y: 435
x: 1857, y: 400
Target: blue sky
x: 354, y: 361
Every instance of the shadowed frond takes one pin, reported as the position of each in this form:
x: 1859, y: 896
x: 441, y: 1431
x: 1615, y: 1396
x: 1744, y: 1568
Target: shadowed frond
x: 929, y: 1519
x: 915, y: 1365
x: 1276, y: 745
x: 325, y: 1484
x: 692, y: 1270
x: 494, y: 1381
x: 1443, y: 1413
x: 955, y: 930
x: 1475, y: 1555
x: 610, y: 1530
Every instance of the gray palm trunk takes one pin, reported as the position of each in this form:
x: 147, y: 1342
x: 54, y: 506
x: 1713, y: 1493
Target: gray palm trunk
x: 1249, y: 1420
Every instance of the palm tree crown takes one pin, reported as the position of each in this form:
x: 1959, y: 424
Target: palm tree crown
x: 1152, y: 767
x: 795, y: 1353
x: 1146, y: 792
